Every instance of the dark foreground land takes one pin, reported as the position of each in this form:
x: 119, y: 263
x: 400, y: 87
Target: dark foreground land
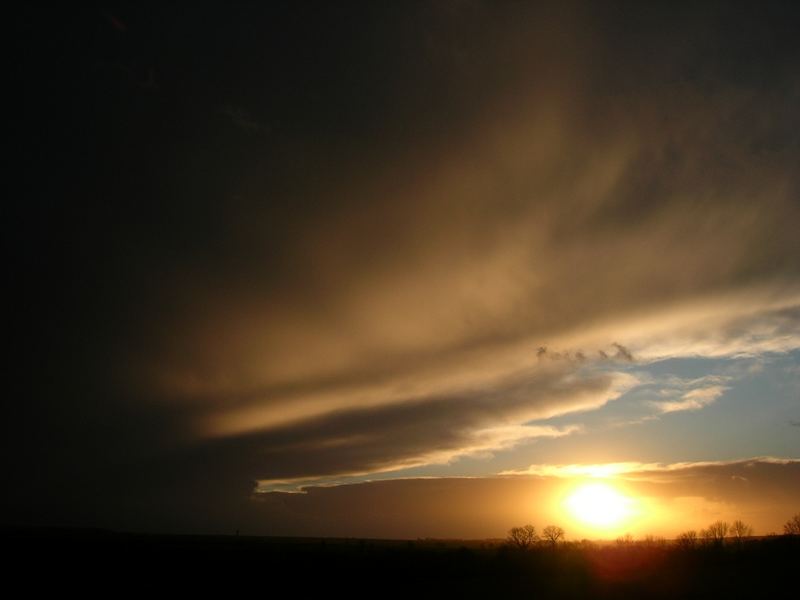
x: 116, y: 564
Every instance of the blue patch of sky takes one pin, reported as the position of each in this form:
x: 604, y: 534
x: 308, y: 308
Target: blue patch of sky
x: 752, y: 418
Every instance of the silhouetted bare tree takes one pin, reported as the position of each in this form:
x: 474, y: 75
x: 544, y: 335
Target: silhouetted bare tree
x: 523, y: 537
x: 792, y: 526
x: 625, y: 540
x: 740, y: 530
x: 687, y: 539
x: 716, y: 532
x: 553, y: 533
x: 652, y: 541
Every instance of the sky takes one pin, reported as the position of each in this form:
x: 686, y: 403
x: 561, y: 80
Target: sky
x: 403, y: 269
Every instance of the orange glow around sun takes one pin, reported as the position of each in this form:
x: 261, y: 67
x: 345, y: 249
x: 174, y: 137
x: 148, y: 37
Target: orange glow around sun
x: 599, y: 506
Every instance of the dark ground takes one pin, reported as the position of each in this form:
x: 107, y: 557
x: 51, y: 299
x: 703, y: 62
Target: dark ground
x: 57, y: 561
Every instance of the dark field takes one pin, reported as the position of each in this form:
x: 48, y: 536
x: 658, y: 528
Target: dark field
x: 55, y: 561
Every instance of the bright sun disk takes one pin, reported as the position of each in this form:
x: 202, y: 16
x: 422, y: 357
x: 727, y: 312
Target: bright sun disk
x: 599, y: 505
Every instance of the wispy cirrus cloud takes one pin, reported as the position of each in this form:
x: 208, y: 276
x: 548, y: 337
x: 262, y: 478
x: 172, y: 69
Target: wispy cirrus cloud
x: 692, y: 400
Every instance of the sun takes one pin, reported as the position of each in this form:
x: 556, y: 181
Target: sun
x: 599, y: 505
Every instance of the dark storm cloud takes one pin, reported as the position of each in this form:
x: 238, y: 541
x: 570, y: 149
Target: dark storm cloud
x: 326, y: 223
x: 422, y: 430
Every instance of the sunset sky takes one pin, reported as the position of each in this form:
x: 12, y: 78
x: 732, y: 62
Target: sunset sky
x: 404, y: 270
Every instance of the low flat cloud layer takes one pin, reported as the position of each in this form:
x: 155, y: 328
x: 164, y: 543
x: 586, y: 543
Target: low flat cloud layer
x: 679, y: 497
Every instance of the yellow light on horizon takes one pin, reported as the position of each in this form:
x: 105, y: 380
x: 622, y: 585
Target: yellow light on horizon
x: 599, y: 505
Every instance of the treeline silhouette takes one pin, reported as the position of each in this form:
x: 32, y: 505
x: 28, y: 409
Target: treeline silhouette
x: 549, y: 566
x: 716, y: 534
